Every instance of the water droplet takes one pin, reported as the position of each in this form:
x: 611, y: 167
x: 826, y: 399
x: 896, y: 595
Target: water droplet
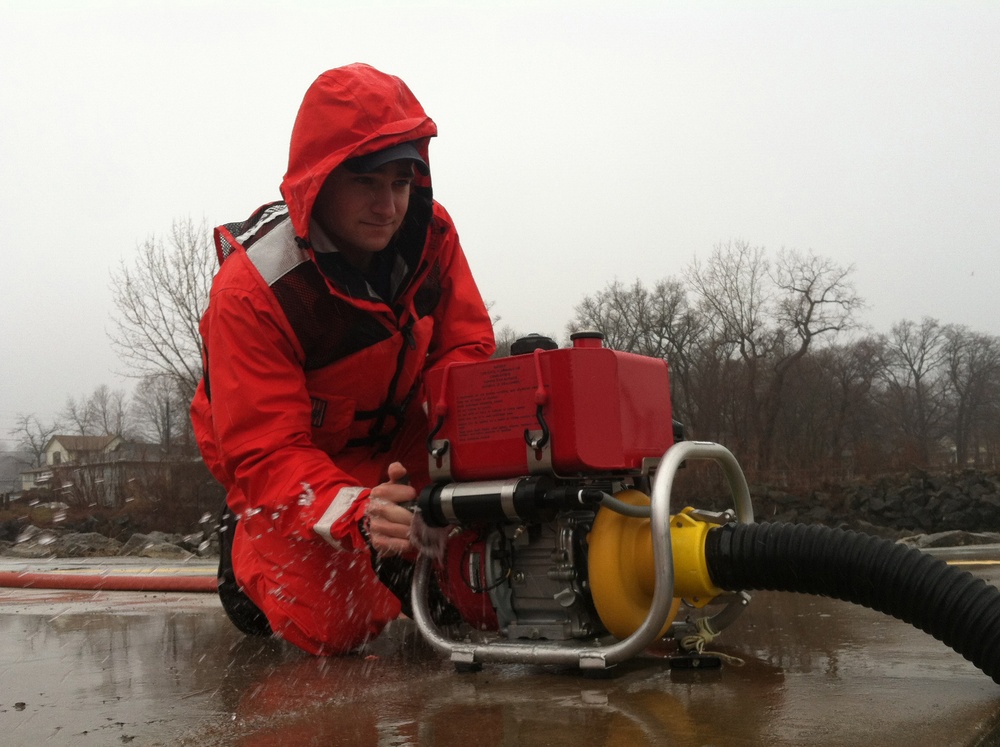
x: 27, y: 534
x: 307, y: 496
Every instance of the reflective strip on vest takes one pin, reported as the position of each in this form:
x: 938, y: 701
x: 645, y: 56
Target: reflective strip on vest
x: 277, y: 254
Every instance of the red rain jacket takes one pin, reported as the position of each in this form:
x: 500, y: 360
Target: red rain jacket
x: 309, y: 375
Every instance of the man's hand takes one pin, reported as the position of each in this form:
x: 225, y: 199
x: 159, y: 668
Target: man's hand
x: 387, y: 520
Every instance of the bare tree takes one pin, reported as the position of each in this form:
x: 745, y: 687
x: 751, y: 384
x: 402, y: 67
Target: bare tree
x: 829, y: 406
x: 75, y: 417
x: 814, y: 299
x: 764, y: 321
x: 914, y: 395
x: 33, y: 436
x: 733, y: 295
x: 105, y: 412
x: 972, y: 365
x: 732, y: 287
x: 679, y: 334
x: 160, y: 299
x: 161, y: 411
x: 620, y: 313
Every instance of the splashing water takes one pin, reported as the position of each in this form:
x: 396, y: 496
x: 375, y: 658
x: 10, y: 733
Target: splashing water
x: 307, y: 496
x: 330, y: 580
x: 26, y: 534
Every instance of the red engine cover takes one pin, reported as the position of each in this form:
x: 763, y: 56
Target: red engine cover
x: 605, y: 411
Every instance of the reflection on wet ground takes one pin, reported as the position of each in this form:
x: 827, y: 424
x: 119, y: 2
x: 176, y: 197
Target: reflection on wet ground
x: 102, y: 668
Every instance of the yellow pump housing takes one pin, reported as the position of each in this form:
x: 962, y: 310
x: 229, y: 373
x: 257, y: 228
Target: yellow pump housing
x: 621, y: 569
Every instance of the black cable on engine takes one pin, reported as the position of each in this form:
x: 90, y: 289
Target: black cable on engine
x: 951, y: 604
x: 611, y: 503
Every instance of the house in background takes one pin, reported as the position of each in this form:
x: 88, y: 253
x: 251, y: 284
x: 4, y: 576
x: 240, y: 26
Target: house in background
x: 96, y: 470
x: 66, y: 450
x: 81, y: 449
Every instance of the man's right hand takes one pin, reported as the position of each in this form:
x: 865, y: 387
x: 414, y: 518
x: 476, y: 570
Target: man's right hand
x: 387, y: 520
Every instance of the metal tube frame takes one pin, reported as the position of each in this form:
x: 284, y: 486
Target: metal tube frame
x: 597, y: 656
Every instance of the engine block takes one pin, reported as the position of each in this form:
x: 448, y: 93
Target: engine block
x: 537, y: 577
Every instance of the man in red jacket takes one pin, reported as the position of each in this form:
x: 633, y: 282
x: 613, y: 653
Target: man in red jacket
x: 328, y: 309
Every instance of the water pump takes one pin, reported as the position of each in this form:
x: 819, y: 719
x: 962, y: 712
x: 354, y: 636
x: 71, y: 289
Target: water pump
x: 552, y: 454
x: 563, y: 461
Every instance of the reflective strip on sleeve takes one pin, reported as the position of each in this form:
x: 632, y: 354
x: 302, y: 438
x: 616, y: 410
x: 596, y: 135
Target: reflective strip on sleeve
x: 340, y: 506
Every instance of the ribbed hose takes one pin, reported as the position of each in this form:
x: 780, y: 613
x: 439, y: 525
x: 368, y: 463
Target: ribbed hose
x: 948, y: 603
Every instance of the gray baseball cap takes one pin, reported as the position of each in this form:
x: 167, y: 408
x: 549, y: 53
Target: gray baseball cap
x: 372, y: 161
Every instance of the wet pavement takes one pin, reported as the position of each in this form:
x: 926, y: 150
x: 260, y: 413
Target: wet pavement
x: 166, y: 668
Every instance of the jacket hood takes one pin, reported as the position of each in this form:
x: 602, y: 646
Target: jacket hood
x: 348, y: 111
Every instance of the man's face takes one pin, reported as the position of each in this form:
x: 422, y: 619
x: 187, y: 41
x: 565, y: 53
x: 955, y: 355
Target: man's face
x: 361, y: 212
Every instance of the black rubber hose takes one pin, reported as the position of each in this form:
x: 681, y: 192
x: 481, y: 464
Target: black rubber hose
x: 951, y: 604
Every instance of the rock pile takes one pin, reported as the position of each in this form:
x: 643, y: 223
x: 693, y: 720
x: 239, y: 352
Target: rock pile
x: 900, y: 505
x: 35, y: 542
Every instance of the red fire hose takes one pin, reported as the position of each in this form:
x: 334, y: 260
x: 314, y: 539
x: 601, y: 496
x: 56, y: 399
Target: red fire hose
x: 108, y: 582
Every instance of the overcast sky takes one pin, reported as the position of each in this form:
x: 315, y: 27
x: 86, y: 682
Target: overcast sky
x: 579, y: 142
